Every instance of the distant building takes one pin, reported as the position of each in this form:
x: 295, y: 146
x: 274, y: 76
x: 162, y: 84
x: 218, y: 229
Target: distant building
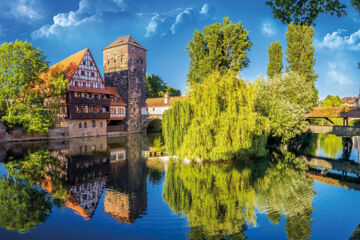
x: 158, y: 106
x: 350, y: 101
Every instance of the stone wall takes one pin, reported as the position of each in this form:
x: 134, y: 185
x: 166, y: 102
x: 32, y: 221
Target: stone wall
x: 18, y: 134
x: 125, y: 69
x: 87, y: 128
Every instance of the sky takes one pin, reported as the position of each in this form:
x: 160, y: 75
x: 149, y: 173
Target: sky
x: 164, y: 28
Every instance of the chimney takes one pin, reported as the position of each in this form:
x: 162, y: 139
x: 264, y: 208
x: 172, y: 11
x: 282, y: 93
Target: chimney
x: 166, y: 99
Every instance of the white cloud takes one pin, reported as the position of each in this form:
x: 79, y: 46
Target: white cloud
x: 205, y: 9
x: 336, y: 73
x: 21, y: 10
x: 156, y: 19
x: 171, y: 19
x: 268, y: 29
x: 89, y: 11
x: 338, y: 40
x: 179, y: 19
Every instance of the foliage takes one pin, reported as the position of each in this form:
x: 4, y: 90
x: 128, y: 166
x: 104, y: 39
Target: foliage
x: 300, y: 54
x: 223, y: 124
x: 23, y: 205
x: 158, y: 144
x: 23, y: 93
x: 218, y: 47
x: 156, y: 87
x: 305, y: 12
x: 356, y: 4
x: 275, y: 59
x: 175, y: 124
x: 332, y: 101
x: 285, y: 99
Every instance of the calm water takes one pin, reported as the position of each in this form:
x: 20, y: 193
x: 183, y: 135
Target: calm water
x: 103, y: 188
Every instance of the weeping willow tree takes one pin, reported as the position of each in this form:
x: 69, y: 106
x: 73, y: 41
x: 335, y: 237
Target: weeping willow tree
x: 176, y: 121
x: 218, y: 121
x: 285, y: 190
x: 218, y: 200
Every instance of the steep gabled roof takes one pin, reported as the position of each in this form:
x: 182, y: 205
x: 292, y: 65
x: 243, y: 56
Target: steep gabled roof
x: 124, y: 40
x: 71, y: 63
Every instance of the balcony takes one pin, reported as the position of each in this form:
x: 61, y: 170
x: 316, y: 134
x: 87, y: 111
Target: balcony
x: 88, y: 101
x: 75, y: 115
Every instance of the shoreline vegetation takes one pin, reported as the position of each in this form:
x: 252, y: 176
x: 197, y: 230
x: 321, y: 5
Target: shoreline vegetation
x: 225, y: 117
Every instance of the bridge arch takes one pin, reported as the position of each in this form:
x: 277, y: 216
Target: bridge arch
x: 153, y: 124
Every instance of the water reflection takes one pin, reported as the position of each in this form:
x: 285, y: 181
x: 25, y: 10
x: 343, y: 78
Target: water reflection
x: 75, y: 174
x: 219, y: 200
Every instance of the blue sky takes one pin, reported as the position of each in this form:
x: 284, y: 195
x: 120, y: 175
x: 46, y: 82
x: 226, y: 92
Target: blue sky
x: 164, y: 27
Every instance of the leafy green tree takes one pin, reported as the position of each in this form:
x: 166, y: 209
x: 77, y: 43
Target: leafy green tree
x: 218, y: 47
x: 224, y: 123
x: 300, y: 54
x: 332, y: 101
x: 275, y: 59
x: 285, y: 99
x: 305, y: 12
x: 22, y: 90
x: 23, y: 205
x: 156, y: 87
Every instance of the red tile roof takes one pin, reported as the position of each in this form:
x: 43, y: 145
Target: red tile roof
x: 159, y: 102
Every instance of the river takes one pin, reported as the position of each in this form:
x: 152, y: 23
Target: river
x: 104, y: 188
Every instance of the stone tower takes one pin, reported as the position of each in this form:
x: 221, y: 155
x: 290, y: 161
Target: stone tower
x: 125, y: 69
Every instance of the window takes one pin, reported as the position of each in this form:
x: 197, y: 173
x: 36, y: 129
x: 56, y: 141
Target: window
x: 92, y: 74
x: 91, y: 63
x: 80, y: 126
x: 85, y: 124
x: 76, y: 83
x: 84, y: 62
x: 86, y: 109
x: 93, y: 123
x: 91, y: 85
x: 82, y: 73
x: 98, y: 85
x: 101, y: 125
x: 84, y: 84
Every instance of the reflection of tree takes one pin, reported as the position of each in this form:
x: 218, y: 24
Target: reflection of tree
x: 330, y: 144
x: 285, y: 190
x: 23, y: 205
x: 219, y: 200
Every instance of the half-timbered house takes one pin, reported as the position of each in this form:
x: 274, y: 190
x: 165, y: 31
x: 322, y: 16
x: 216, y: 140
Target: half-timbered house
x: 89, y: 104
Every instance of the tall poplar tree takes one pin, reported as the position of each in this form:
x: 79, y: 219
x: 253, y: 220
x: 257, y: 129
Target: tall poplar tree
x: 275, y: 59
x: 219, y: 47
x: 300, y: 54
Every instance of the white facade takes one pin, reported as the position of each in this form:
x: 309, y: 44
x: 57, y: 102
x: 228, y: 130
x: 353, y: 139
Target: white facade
x: 154, y: 110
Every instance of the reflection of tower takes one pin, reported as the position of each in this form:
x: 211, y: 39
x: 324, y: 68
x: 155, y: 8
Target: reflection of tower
x: 125, y: 196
